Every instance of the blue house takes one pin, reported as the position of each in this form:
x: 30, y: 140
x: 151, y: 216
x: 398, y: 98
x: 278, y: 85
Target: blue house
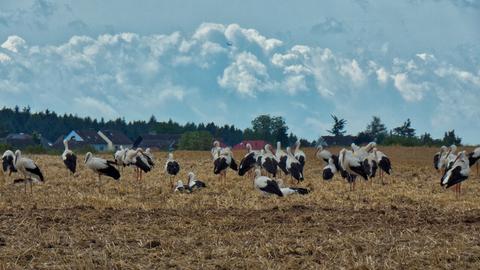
x: 87, y: 137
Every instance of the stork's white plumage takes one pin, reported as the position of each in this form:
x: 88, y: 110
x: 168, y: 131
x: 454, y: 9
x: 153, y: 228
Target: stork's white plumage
x: 101, y: 166
x: 448, y: 157
x: 330, y: 170
x: 323, y: 154
x: 457, y: 172
x: 269, y: 161
x: 181, y: 187
x: 248, y: 162
x: 437, y: 156
x: 383, y: 161
x: 223, y: 161
x: 474, y: 156
x: 363, y: 152
x: 294, y: 167
x: 138, y: 160
x: 28, y: 168
x: 291, y: 190
x: 120, y: 156
x: 8, y: 165
x: 353, y: 166
x: 299, y: 154
x: 216, y: 149
x: 150, y: 158
x: 266, y: 185
x: 194, y: 183
x: 171, y: 167
x: 281, y: 158
x: 69, y: 158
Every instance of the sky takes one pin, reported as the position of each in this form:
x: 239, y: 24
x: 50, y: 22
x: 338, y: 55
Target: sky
x: 229, y: 61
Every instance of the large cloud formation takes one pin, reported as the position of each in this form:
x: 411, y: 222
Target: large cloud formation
x: 126, y: 74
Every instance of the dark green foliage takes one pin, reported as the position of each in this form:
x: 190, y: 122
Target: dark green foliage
x: 338, y: 128
x: 450, y: 138
x: 195, y: 140
x: 405, y: 130
x: 271, y: 129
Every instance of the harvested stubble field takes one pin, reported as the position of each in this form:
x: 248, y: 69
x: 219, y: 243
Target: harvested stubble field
x: 408, y: 223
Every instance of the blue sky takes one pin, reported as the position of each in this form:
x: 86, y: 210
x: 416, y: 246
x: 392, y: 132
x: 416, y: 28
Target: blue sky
x: 228, y: 61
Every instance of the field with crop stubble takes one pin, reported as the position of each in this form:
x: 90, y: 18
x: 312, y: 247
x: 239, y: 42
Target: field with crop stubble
x: 409, y: 222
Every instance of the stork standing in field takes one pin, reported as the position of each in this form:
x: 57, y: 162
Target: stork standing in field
x: 473, y: 157
x: 248, y: 162
x: 29, y: 169
x: 299, y: 154
x: 353, y: 166
x: 331, y: 160
x: 69, y: 159
x: 138, y: 160
x: 172, y: 168
x: 457, y: 173
x: 294, y: 167
x: 150, y: 158
x: 269, y: 161
x: 120, y: 156
x: 8, y: 165
x: 437, y: 156
x: 216, y: 149
x: 448, y: 157
x: 224, y: 161
x: 101, y: 167
x: 383, y: 162
x: 281, y: 158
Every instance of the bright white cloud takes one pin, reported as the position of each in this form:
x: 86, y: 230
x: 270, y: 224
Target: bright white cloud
x: 410, y: 91
x: 105, y: 75
x: 246, y: 75
x: 14, y: 44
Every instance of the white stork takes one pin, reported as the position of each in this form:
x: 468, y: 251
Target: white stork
x: 329, y: 170
x: 120, y: 156
x: 294, y: 167
x: 473, y: 157
x: 436, y: 157
x: 353, y: 166
x: 457, y: 173
x: 291, y: 190
x: 331, y: 160
x: 281, y: 158
x: 69, y: 158
x: 138, y: 160
x: 181, y: 187
x: 150, y: 158
x: 8, y: 165
x: 299, y: 154
x: 383, y: 162
x: 269, y: 161
x: 215, y: 150
x: 101, y: 166
x: 266, y: 185
x: 171, y: 168
x: 248, y: 162
x: 29, y: 169
x: 448, y: 157
x: 194, y: 183
x: 223, y: 161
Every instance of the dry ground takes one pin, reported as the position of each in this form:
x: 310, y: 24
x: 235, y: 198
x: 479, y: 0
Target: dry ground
x: 409, y: 223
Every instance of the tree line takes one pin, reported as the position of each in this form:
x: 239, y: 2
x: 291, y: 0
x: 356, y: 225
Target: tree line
x: 404, y: 134
x: 51, y: 126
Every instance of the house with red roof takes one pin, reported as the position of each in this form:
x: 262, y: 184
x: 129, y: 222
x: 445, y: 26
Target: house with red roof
x: 256, y: 144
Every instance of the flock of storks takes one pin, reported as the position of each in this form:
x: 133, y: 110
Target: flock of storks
x: 262, y: 166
